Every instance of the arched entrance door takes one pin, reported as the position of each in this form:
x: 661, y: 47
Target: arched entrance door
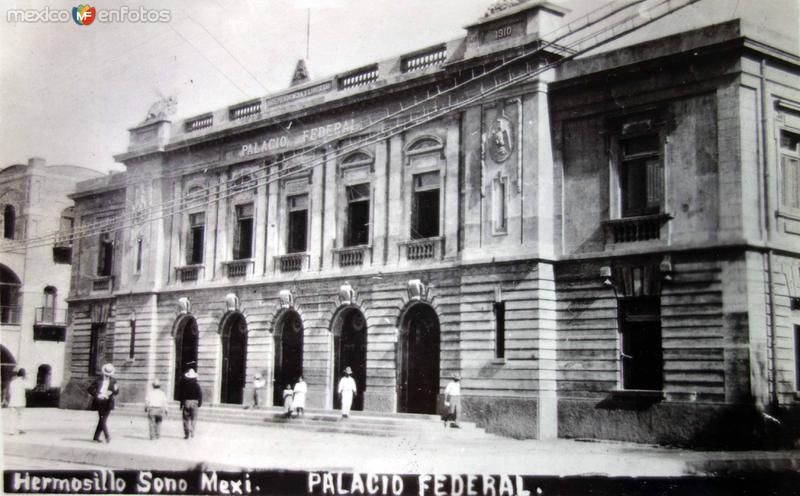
x: 419, y: 360
x: 8, y: 366
x: 186, y: 340
x: 350, y: 350
x: 288, y: 353
x: 234, y: 359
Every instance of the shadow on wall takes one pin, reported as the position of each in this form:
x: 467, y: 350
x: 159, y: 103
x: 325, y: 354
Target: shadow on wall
x: 693, y: 425
x: 75, y: 396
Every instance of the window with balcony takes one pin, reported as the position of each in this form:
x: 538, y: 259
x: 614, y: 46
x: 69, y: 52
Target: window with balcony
x: 357, y: 231
x: 9, y: 221
x: 298, y: 224
x: 641, y: 176
x: 790, y: 170
x: 425, y: 206
x: 49, y: 303
x: 243, y: 232
x: 196, y: 238
x: 641, y: 349
x: 105, y: 255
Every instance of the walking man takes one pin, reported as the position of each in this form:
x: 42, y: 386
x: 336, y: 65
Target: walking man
x: 103, y: 391
x: 452, y: 401
x: 156, y: 407
x: 191, y: 399
x: 347, y: 389
x: 259, y: 385
x: 16, y: 402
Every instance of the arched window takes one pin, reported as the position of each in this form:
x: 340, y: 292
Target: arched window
x: 9, y: 296
x: 49, y: 304
x: 9, y: 221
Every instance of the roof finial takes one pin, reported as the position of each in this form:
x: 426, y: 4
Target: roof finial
x: 300, y: 75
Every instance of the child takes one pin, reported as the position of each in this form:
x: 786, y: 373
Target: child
x: 288, y: 394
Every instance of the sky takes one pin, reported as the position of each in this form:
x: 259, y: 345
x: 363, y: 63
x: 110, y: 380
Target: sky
x: 69, y: 93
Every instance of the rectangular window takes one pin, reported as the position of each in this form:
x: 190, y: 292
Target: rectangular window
x: 641, y: 176
x: 425, y: 207
x: 298, y: 224
x: 96, y: 347
x: 138, y: 254
x: 243, y: 234
x: 132, y: 351
x: 500, y: 329
x: 642, y: 354
x: 197, y: 230
x: 357, y: 215
x: 790, y: 170
x: 105, y: 256
x: 499, y: 208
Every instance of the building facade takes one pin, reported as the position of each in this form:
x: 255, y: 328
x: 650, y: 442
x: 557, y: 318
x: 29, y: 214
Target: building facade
x: 607, y: 249
x: 35, y: 277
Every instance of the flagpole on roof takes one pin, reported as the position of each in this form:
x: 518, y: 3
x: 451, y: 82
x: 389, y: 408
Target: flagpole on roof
x: 308, y: 32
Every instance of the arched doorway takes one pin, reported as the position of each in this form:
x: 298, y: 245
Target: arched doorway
x: 9, y: 296
x: 186, y: 340
x: 350, y: 350
x: 8, y: 365
x: 234, y: 359
x: 288, y: 353
x: 418, y: 353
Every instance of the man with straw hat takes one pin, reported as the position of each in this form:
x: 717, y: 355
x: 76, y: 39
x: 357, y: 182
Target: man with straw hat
x: 156, y: 407
x: 191, y: 399
x: 347, y: 389
x: 452, y: 401
x: 103, y: 391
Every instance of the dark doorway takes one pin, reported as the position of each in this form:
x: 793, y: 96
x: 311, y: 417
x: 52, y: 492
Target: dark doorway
x: 350, y: 350
x: 642, y: 353
x: 186, y: 339
x: 419, y: 361
x: 7, y: 371
x: 234, y: 359
x: 288, y: 354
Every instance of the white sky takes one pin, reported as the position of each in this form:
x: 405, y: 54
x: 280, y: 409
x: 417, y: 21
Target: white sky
x: 69, y: 93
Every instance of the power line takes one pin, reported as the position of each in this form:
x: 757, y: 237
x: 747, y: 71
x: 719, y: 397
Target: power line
x: 139, y: 217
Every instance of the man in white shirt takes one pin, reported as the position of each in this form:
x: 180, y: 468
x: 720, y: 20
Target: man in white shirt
x: 16, y: 402
x: 452, y: 401
x: 156, y: 407
x: 347, y: 389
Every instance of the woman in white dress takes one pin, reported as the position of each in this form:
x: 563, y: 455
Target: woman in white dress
x: 299, y: 400
x: 347, y: 389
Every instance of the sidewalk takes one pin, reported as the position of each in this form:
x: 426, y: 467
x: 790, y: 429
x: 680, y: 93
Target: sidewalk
x: 65, y: 436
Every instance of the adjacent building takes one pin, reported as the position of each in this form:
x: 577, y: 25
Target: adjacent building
x: 35, y: 267
x: 607, y: 249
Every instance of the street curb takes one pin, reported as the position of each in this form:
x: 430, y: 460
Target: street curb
x: 105, y: 458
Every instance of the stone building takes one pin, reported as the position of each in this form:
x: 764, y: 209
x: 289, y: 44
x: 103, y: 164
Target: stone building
x: 606, y: 250
x: 34, y: 278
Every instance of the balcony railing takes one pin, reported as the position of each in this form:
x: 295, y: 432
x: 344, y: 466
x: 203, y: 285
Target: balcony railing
x: 103, y: 283
x: 199, y: 123
x: 237, y: 268
x: 632, y: 229
x: 188, y: 273
x: 293, y: 262
x: 358, y: 78
x: 423, y: 249
x: 352, y: 256
x: 246, y: 110
x: 10, y: 314
x: 51, y: 316
x: 419, y: 61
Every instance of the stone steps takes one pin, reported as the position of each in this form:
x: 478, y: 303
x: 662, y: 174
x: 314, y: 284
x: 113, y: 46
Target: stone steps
x: 319, y: 420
